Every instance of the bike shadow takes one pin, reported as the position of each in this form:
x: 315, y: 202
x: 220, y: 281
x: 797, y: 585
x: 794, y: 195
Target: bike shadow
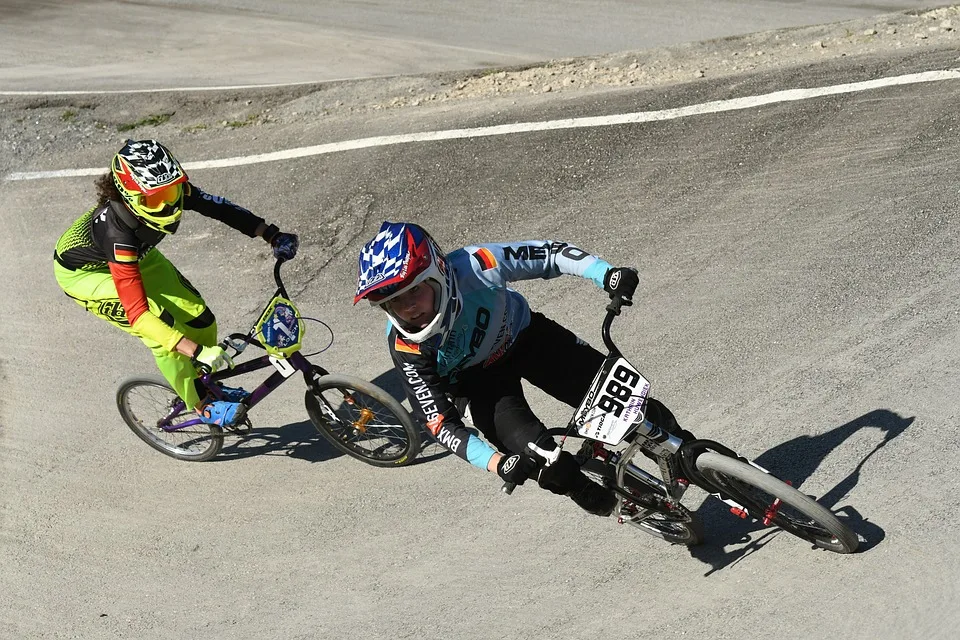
x: 430, y: 450
x: 302, y: 441
x: 298, y: 440
x: 796, y: 460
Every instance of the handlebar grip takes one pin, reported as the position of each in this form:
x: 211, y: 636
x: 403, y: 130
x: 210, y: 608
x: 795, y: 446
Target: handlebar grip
x: 201, y: 368
x: 616, y: 302
x: 508, y: 487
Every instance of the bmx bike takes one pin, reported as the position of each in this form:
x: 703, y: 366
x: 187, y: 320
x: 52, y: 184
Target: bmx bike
x: 355, y: 416
x: 613, y: 413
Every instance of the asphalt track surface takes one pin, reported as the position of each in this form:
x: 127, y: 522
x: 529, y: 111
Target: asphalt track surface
x: 798, y: 302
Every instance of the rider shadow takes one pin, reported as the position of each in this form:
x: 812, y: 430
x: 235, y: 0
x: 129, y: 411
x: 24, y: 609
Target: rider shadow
x: 431, y: 450
x: 390, y: 382
x: 796, y: 460
x: 297, y: 440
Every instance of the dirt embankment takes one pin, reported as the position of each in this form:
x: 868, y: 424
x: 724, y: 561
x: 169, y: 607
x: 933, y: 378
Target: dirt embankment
x: 934, y: 28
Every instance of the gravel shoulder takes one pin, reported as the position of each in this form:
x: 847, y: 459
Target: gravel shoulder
x: 75, y: 127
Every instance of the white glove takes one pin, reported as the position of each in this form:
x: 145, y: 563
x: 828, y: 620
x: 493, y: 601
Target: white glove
x: 213, y: 358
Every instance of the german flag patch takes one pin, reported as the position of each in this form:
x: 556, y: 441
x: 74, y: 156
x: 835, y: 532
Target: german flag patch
x: 125, y: 253
x: 485, y: 258
x: 405, y: 346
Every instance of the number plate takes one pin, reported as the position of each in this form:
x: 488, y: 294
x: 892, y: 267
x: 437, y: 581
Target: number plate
x: 280, y: 328
x: 615, y: 402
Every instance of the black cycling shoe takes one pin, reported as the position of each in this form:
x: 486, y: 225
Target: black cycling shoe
x: 595, y: 499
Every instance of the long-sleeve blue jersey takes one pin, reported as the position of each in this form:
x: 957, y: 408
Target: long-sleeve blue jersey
x: 491, y: 317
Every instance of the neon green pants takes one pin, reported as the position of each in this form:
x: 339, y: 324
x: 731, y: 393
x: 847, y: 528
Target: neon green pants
x: 170, y: 297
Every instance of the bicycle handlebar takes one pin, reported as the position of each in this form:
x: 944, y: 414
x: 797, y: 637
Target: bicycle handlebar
x: 276, y: 276
x: 613, y: 310
x: 237, y: 341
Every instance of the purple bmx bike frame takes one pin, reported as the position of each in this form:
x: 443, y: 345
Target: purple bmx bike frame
x: 285, y: 369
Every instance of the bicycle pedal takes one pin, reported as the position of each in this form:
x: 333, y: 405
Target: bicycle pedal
x: 243, y: 427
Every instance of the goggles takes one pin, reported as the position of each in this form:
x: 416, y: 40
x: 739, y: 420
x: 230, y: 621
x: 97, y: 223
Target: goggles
x: 404, y: 298
x: 163, y: 201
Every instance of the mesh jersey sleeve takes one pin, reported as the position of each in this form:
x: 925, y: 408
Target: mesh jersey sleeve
x: 531, y: 259
x: 221, y: 209
x: 426, y: 389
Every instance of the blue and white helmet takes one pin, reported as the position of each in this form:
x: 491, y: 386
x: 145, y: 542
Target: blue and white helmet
x: 403, y: 255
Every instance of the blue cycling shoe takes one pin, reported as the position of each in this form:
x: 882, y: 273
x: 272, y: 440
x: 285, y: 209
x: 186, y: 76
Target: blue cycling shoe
x: 219, y: 412
x: 234, y: 394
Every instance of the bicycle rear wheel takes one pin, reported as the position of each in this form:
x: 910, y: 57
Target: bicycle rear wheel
x: 145, y: 402
x: 796, y: 513
x: 362, y: 420
x: 672, y: 522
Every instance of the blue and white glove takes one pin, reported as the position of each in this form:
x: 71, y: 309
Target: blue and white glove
x: 284, y: 245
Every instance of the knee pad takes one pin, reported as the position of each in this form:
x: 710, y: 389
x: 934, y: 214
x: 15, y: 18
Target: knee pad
x: 203, y: 320
x: 563, y: 476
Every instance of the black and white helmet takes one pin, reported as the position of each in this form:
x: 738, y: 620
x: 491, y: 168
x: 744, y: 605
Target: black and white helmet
x: 150, y: 181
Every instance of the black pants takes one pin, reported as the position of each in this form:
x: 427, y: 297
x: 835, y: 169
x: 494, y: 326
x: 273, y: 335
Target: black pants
x: 545, y: 354
x: 552, y: 358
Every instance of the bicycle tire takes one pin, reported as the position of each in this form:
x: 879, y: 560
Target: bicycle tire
x: 401, y: 435
x: 675, y: 523
x: 740, y: 481
x: 205, y: 440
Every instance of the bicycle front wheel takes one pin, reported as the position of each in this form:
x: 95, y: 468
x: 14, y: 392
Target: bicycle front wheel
x: 146, y: 402
x: 767, y: 498
x: 362, y: 420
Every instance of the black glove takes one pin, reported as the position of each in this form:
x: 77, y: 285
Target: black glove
x: 284, y: 245
x: 621, y: 281
x: 516, y: 468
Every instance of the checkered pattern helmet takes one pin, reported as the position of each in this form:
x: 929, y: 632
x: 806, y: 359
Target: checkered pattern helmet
x: 150, y: 181
x: 403, y: 255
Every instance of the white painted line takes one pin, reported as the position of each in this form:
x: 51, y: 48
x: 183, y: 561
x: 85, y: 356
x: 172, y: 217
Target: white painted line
x: 525, y: 127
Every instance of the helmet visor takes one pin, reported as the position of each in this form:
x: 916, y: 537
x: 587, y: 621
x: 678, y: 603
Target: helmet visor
x: 379, y: 295
x: 161, y: 199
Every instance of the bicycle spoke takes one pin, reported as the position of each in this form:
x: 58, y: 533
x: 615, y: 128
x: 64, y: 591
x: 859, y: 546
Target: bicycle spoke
x: 362, y: 420
x: 377, y: 435
x: 145, y: 404
x: 774, y: 503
